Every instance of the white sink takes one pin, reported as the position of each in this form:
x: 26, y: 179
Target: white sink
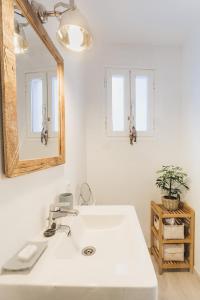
x: 120, y: 269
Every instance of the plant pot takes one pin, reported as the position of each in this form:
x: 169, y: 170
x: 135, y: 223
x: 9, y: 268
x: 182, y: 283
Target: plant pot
x: 170, y: 204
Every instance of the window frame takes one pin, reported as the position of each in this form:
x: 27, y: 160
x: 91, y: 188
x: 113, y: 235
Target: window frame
x: 131, y: 101
x: 47, y: 101
x: 28, y: 77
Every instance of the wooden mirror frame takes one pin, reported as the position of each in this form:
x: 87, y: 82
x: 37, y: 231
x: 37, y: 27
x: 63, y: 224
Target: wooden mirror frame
x: 12, y: 165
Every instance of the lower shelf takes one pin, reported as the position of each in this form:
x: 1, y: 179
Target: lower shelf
x: 176, y: 264
x: 171, y: 264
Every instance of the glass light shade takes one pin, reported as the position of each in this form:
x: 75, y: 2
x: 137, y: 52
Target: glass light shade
x: 73, y: 32
x: 19, y: 39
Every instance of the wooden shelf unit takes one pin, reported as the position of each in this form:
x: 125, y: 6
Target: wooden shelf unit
x: 184, y: 212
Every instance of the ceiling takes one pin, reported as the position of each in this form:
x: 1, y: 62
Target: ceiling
x: 139, y: 21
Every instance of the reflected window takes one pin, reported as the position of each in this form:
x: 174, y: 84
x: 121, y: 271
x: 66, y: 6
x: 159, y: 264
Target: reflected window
x: 36, y: 104
x: 55, y: 103
x: 42, y: 103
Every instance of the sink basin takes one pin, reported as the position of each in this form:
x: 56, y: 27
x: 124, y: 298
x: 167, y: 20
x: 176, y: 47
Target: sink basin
x: 98, y: 221
x: 115, y: 265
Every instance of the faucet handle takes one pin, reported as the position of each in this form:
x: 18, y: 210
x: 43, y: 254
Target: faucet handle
x: 73, y: 212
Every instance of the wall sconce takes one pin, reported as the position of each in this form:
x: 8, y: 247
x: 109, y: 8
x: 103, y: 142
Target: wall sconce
x: 20, y: 41
x: 73, y: 32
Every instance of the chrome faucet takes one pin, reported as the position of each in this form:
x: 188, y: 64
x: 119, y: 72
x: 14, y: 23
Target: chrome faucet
x: 55, y: 213
x: 60, y: 212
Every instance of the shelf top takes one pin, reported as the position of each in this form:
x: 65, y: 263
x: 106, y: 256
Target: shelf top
x: 184, y: 210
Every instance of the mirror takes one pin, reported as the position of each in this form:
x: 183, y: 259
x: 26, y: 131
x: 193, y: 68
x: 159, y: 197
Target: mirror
x: 37, y: 93
x: 33, y: 102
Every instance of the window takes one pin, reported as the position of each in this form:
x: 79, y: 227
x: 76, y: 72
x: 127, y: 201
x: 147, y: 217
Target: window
x: 42, y: 103
x: 129, y: 96
x: 118, y: 103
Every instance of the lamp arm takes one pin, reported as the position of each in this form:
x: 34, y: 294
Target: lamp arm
x: 68, y: 7
x: 65, y: 5
x: 43, y: 14
x: 72, y: 4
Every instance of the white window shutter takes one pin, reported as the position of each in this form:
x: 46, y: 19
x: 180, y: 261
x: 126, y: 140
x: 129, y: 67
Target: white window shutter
x: 118, y: 101
x: 130, y: 96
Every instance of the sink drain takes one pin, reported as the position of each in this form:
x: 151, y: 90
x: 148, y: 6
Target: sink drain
x: 88, y: 251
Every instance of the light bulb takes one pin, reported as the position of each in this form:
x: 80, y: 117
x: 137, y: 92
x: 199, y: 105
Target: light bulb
x: 73, y: 33
x: 19, y: 39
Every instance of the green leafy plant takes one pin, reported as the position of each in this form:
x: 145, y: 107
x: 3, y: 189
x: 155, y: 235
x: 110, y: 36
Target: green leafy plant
x: 172, y: 181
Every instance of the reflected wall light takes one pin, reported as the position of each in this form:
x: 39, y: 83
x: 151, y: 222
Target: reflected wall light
x: 19, y: 39
x: 73, y: 32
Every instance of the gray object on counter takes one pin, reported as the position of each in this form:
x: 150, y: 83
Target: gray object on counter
x: 16, y: 264
x: 66, y: 201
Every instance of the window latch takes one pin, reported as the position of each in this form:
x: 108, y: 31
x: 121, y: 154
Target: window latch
x: 44, y: 133
x: 133, y: 135
x: 44, y: 136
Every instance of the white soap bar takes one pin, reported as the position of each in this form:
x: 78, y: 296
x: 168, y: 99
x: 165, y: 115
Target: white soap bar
x: 27, y: 253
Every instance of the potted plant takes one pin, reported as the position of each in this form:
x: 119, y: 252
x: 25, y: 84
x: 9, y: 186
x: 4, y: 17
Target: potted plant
x: 172, y: 181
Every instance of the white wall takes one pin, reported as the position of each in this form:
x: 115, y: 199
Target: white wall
x: 24, y: 200
x: 191, y: 127
x: 120, y: 173
x: 117, y: 172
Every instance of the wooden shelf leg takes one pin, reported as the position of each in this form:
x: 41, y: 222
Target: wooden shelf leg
x: 191, y: 246
x: 151, y: 234
x: 160, y: 245
x: 160, y: 271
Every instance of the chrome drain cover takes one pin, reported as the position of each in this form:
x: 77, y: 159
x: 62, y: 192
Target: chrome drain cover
x: 88, y: 251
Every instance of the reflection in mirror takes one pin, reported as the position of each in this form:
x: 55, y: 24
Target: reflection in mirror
x: 37, y: 93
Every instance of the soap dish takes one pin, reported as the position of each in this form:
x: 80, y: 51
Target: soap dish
x: 15, y: 264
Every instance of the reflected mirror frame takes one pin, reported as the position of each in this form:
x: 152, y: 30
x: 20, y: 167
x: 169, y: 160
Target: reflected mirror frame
x: 12, y: 165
